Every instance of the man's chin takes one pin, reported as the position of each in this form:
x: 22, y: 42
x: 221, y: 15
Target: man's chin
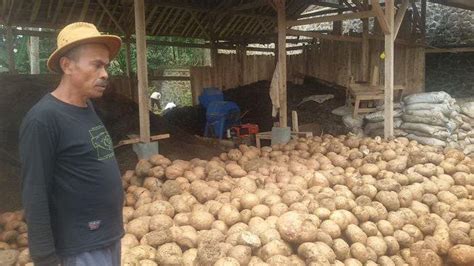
x: 97, y: 94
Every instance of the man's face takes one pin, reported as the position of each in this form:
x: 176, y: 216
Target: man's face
x: 87, y: 69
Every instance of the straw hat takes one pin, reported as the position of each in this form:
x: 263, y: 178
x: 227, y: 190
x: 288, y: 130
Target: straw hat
x: 81, y: 33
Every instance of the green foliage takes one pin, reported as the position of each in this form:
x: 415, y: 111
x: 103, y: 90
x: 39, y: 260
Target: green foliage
x: 158, y: 57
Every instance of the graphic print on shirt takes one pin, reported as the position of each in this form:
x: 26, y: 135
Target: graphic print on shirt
x: 102, y: 142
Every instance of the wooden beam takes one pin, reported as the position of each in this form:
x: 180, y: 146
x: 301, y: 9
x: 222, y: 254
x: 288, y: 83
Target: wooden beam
x: 142, y: 71
x: 380, y: 15
x: 209, y: 11
x: 71, y: 11
x: 327, y: 4
x: 34, y: 12
x: 19, y: 8
x: 281, y: 15
x: 365, y: 69
x: 337, y: 25
x: 111, y: 16
x: 128, y: 57
x: 450, y: 50
x: 50, y: 8
x: 154, y: 28
x: 57, y: 11
x: 360, y: 6
x: 150, y: 16
x: 251, y: 5
x: 323, y: 12
x: 389, y: 68
x: 165, y: 21
x: 347, y: 16
x: 103, y: 13
x: 10, y: 12
x: 112, y: 13
x: 342, y: 38
x: 423, y: 20
x: 85, y: 8
x: 399, y: 18
x: 353, y: 8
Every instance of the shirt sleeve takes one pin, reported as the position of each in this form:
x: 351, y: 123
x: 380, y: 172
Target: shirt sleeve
x: 37, y: 155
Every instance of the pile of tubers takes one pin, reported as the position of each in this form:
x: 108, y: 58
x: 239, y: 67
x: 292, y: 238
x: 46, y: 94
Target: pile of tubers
x: 313, y: 201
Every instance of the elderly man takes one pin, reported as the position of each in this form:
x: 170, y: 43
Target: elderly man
x: 71, y: 186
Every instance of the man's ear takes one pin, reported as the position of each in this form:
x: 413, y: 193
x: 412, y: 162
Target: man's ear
x: 65, y: 64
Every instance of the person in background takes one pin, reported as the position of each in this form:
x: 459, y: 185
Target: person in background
x: 71, y: 186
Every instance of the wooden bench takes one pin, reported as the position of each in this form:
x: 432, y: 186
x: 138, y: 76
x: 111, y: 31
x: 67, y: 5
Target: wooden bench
x: 268, y: 136
x: 367, y: 94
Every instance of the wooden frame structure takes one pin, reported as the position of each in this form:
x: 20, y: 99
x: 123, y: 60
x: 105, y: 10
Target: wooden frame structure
x: 223, y: 24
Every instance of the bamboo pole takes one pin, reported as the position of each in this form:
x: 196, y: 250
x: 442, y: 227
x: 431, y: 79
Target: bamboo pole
x: 142, y: 72
x: 389, y: 65
x: 281, y: 10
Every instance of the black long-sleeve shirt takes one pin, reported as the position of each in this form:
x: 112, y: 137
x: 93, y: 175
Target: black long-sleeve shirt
x: 71, y: 187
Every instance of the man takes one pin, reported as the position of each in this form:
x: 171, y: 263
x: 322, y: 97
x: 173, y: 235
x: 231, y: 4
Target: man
x: 71, y: 186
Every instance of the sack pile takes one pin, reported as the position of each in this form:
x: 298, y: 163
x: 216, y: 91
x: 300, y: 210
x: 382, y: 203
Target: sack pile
x: 433, y: 118
x: 430, y: 118
x: 465, y: 132
x: 374, y: 122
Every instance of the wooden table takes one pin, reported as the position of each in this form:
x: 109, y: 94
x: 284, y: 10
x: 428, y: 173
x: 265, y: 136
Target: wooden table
x: 358, y: 92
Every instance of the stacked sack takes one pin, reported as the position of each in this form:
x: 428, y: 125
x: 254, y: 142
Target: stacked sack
x: 465, y: 132
x: 431, y: 118
x: 374, y: 122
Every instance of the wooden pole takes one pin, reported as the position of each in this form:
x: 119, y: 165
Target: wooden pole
x: 365, y: 46
x: 11, y: 53
x: 34, y: 55
x: 142, y: 72
x: 389, y: 65
x: 337, y: 24
x: 281, y: 10
x: 214, y: 53
x: 294, y: 122
x: 128, y: 57
x: 128, y: 64
x: 423, y: 20
x: 241, y: 55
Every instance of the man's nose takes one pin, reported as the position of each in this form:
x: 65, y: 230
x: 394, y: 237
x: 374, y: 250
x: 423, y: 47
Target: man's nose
x: 103, y: 73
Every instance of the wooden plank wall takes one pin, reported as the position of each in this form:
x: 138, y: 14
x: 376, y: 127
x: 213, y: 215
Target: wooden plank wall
x: 332, y: 61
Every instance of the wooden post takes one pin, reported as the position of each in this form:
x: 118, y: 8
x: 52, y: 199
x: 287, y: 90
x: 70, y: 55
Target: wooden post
x: 34, y: 55
x: 128, y: 64
x: 423, y: 20
x: 11, y: 53
x: 389, y: 62
x: 294, y: 122
x: 365, y: 46
x: 128, y: 57
x: 241, y: 55
x: 281, y: 10
x: 337, y: 25
x: 142, y: 72
x: 214, y: 53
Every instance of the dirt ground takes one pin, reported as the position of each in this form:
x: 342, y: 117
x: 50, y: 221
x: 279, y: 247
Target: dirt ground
x: 256, y: 107
x: 120, y: 116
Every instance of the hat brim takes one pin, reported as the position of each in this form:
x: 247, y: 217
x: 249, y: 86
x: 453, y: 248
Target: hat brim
x: 112, y: 42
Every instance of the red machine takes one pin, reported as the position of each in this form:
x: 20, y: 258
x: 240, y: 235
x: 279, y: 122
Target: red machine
x: 244, y: 130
